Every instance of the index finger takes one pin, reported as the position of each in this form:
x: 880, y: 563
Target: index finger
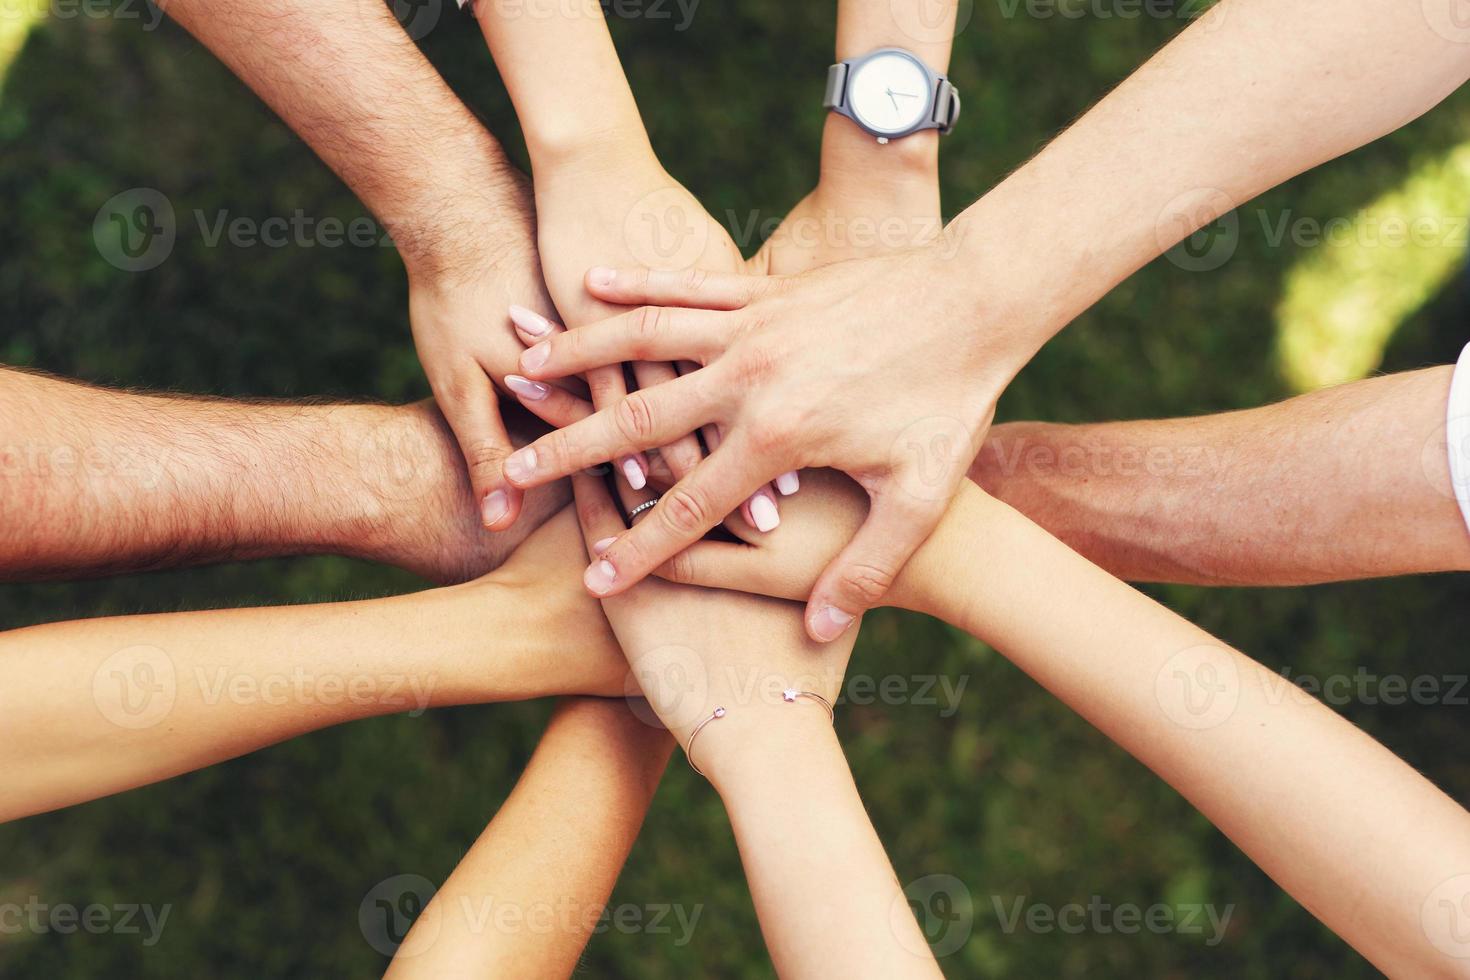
x: 682, y: 516
x: 642, y: 420
x: 691, y: 287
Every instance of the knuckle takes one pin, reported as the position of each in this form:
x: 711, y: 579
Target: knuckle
x: 603, y: 386
x: 483, y: 454
x: 768, y: 438
x: 634, y: 418
x: 694, y: 279
x: 756, y: 362
x: 684, y: 512
x: 680, y: 568
x: 645, y: 326
x: 458, y: 387
x: 867, y: 582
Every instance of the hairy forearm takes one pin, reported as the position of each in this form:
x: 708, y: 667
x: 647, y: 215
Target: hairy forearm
x: 98, y: 706
x: 1253, y: 93
x: 1321, y: 807
x: 529, y: 894
x: 1345, y: 483
x: 98, y: 481
x: 348, y: 79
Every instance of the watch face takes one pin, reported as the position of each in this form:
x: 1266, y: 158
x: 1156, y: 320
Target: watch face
x: 889, y: 93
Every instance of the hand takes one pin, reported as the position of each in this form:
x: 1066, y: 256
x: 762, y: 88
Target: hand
x: 692, y: 650
x: 402, y: 470
x: 891, y: 395
x: 616, y: 203
x: 457, y: 305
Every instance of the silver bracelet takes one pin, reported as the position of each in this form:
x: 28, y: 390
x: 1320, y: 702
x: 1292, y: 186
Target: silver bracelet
x: 790, y: 696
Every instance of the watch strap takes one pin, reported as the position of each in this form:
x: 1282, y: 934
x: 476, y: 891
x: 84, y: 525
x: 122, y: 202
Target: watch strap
x: 946, y: 106
x: 836, y: 86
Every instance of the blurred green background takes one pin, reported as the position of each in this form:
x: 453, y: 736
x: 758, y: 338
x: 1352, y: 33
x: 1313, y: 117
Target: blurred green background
x: 265, y: 860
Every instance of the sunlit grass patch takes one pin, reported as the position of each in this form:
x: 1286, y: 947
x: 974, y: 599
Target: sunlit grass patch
x: 17, y: 17
x: 1344, y: 299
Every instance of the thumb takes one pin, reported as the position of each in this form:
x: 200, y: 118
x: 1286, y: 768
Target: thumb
x: 859, y: 577
x: 470, y: 406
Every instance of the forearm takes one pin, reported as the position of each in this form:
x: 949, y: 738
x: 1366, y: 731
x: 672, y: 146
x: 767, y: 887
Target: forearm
x: 1345, y: 483
x: 347, y: 78
x: 96, y: 481
x: 1253, y: 93
x: 852, y: 158
x: 828, y: 900
x: 541, y: 873
x: 1357, y: 836
x: 102, y: 481
x: 563, y: 74
x: 98, y: 706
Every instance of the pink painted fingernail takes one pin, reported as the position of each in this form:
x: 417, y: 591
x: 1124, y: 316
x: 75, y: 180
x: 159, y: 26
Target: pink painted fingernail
x: 531, y: 391
x: 529, y: 322
x: 521, y: 464
x: 533, y: 357
x: 495, y: 506
x: 637, y: 479
x: 598, y: 547
x: 599, y: 577
x: 786, y: 483
x: 601, y: 276
x: 763, y: 512
x: 830, y: 622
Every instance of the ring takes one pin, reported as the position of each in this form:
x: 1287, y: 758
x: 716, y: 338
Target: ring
x: 646, y: 505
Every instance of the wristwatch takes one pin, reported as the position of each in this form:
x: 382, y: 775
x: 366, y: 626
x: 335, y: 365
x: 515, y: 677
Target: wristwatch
x: 891, y: 94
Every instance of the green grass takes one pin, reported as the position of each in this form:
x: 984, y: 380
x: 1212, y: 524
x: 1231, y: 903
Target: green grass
x: 265, y: 860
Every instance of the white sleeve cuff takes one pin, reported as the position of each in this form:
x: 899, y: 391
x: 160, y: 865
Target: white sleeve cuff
x: 1457, y: 432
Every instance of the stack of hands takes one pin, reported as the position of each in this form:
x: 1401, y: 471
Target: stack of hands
x: 759, y: 451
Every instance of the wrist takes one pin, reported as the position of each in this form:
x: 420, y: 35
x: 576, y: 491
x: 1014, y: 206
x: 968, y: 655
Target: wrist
x: 758, y: 744
x: 940, y: 569
x: 467, y: 210
x: 852, y: 156
x: 592, y: 149
x: 393, y: 467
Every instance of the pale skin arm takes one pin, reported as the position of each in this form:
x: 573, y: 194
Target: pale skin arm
x: 99, y: 706
x: 526, y: 898
x: 601, y: 194
x: 828, y: 900
x: 870, y: 198
x: 1363, y: 841
x: 1253, y: 93
x: 96, y: 481
x: 347, y: 78
x: 1349, y: 482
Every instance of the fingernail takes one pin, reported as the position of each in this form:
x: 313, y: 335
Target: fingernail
x: 601, y: 276
x: 599, y: 577
x: 521, y: 464
x: 530, y: 322
x: 829, y: 622
x: 786, y: 483
x: 637, y: 479
x: 533, y: 357
x: 531, y: 391
x: 598, y: 547
x: 763, y: 512
x: 494, y: 507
